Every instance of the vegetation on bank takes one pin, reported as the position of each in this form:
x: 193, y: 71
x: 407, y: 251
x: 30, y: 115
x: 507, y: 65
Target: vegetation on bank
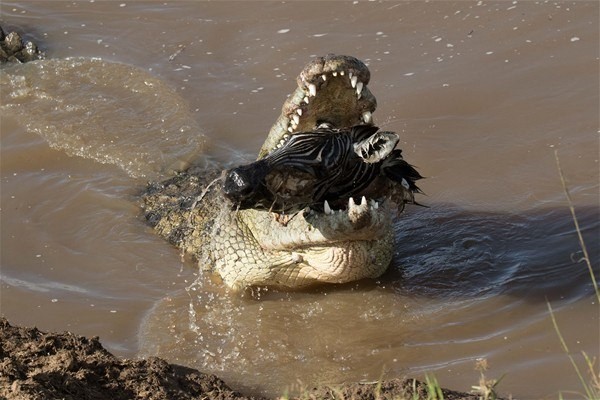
x: 590, y: 386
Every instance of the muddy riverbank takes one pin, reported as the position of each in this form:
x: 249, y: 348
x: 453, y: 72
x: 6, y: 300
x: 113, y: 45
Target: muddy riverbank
x: 37, y: 364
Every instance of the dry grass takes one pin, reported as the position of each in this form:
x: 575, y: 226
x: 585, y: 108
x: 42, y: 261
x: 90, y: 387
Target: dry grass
x: 586, y: 256
x: 591, y: 386
x: 487, y: 387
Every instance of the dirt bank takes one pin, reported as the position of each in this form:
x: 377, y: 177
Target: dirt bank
x: 43, y: 365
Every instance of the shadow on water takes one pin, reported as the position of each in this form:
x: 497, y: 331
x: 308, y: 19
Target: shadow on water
x: 448, y: 252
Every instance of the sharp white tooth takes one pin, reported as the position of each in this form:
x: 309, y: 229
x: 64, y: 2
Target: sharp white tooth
x: 367, y: 117
x: 306, y: 100
x: 296, y: 119
x: 342, y: 73
x: 312, y: 90
x: 285, y: 136
x: 327, y: 208
x: 363, y: 201
x: 359, y: 87
x: 324, y: 77
x: 353, y: 81
x: 297, y: 258
x: 334, y: 73
x: 290, y: 129
x: 299, y: 111
x: 351, y: 203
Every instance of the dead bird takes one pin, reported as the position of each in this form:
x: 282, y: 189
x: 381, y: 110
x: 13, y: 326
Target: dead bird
x: 324, y: 169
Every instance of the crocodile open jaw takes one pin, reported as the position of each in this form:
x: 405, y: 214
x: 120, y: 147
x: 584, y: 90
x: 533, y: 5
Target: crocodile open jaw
x: 331, y: 90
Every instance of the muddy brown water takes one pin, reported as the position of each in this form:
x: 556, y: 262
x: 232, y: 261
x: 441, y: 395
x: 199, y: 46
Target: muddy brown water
x: 482, y: 94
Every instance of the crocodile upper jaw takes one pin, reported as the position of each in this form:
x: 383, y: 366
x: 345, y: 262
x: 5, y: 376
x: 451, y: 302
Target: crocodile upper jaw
x: 332, y: 90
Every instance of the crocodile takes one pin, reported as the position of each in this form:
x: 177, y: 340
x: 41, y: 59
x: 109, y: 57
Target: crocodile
x: 253, y: 246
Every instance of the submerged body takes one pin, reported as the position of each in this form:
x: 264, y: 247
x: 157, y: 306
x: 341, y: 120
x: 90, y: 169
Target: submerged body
x: 307, y: 241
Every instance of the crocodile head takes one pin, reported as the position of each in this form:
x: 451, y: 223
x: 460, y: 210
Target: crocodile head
x: 338, y: 241
x: 346, y: 239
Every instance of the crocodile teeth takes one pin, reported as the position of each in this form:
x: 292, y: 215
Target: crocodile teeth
x: 312, y: 90
x: 327, y: 208
x: 299, y: 111
x: 324, y: 77
x: 353, y: 81
x: 296, y: 119
x: 342, y: 73
x: 359, y: 87
x: 334, y: 73
x: 374, y: 205
x: 290, y: 129
x: 367, y: 117
x: 358, y: 213
x: 306, y: 100
x: 351, y: 203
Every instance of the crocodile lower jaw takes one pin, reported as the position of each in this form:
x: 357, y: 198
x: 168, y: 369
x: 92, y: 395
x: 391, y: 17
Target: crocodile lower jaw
x: 308, y: 229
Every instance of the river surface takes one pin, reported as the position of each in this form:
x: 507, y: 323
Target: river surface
x: 482, y: 93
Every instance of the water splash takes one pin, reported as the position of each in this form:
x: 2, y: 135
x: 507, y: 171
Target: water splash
x: 108, y: 112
